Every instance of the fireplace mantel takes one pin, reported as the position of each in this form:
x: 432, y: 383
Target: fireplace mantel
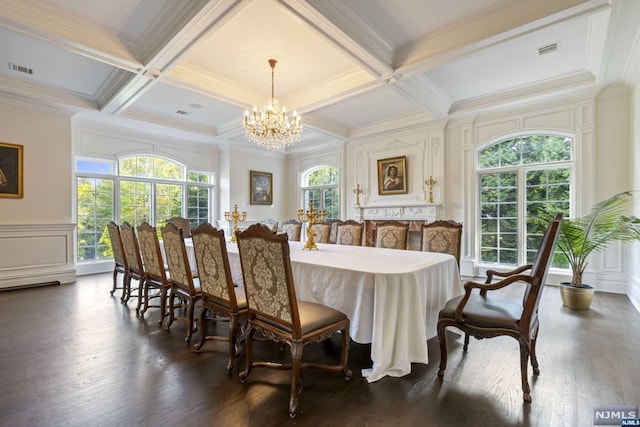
x: 413, y: 214
x: 406, y: 212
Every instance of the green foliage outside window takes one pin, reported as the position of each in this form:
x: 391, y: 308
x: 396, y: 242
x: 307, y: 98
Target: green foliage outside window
x: 531, y: 171
x: 327, y: 194
x: 96, y: 198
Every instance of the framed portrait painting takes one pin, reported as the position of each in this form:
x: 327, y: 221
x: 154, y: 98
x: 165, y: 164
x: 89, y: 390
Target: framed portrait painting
x: 261, y: 188
x: 10, y: 170
x: 392, y: 175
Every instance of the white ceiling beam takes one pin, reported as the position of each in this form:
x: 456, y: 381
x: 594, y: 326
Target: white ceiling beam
x: 345, y: 29
x: 170, y: 47
x: 425, y: 94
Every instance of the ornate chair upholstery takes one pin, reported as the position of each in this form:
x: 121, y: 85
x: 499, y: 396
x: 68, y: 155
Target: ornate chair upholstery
x: 272, y: 224
x: 183, y: 284
x: 135, y: 268
x: 275, y: 311
x: 486, y: 314
x: 118, y: 258
x: 219, y: 296
x: 182, y: 223
x: 392, y: 234
x: 156, y: 276
x: 293, y: 229
x: 350, y: 233
x: 321, y: 232
x: 442, y: 236
x: 333, y: 235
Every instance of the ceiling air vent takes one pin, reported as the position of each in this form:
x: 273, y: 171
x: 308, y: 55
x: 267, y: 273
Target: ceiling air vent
x: 182, y: 112
x: 548, y: 48
x: 20, y: 68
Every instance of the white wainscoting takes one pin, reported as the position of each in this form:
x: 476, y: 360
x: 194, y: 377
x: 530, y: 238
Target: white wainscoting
x: 33, y: 254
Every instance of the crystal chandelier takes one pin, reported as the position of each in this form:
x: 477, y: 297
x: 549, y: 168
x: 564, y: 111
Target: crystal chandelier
x: 269, y: 126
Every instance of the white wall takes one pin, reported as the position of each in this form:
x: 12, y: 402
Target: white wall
x: 244, y: 161
x: 36, y: 231
x: 46, y: 138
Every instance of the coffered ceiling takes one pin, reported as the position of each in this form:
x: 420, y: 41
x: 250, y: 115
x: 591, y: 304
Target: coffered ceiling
x: 348, y: 67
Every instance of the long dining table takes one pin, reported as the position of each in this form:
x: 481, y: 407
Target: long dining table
x: 391, y: 296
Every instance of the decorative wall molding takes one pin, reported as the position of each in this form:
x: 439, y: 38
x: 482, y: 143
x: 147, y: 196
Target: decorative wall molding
x: 36, y: 254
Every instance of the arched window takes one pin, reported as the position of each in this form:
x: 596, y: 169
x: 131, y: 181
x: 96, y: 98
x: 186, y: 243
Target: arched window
x: 322, y: 186
x: 138, y: 188
x: 519, y: 178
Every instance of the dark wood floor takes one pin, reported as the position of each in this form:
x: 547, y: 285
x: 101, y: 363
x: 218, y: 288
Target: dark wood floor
x: 73, y: 355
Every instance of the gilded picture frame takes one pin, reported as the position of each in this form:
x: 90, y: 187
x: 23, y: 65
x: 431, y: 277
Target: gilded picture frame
x: 392, y: 176
x: 260, y: 188
x: 11, y: 179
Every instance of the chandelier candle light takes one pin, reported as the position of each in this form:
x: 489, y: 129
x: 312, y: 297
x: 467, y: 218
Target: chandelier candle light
x: 312, y: 217
x: 269, y: 126
x: 235, y: 217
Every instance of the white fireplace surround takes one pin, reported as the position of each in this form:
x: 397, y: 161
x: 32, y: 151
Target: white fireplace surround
x: 405, y: 212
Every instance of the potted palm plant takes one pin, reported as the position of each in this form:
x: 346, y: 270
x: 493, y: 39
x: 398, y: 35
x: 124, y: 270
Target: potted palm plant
x: 606, y: 223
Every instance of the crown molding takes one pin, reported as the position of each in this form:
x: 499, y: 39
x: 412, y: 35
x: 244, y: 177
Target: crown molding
x: 525, y: 94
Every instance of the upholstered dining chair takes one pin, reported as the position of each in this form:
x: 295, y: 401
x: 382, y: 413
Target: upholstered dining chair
x: 293, y: 229
x: 442, y: 236
x: 392, y: 234
x: 183, y: 284
x: 118, y: 258
x: 275, y: 311
x: 156, y: 275
x: 350, y: 233
x: 488, y: 314
x: 135, y: 268
x: 272, y: 224
x: 182, y: 223
x: 333, y: 234
x: 219, y: 295
x: 321, y: 232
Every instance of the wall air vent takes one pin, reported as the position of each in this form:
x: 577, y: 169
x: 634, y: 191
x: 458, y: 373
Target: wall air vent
x: 20, y: 68
x: 182, y: 112
x: 548, y: 49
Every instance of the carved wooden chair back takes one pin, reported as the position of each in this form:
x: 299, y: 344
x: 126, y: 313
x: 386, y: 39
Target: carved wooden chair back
x: 350, y: 233
x: 321, y: 232
x: 182, y: 223
x: 293, y: 229
x: 156, y: 274
x: 135, y: 267
x: 392, y: 234
x: 275, y: 311
x: 487, y: 314
x: 118, y: 257
x: 183, y: 284
x: 443, y: 237
x: 219, y: 295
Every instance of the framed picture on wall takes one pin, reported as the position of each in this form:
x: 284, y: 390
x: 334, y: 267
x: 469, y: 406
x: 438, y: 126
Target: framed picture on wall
x: 10, y: 170
x: 261, y: 188
x: 392, y: 175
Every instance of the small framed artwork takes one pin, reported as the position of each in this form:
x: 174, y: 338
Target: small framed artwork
x: 392, y: 175
x: 10, y: 170
x: 260, y: 188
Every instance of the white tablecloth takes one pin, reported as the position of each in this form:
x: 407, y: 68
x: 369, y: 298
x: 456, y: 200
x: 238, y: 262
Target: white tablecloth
x: 391, y: 296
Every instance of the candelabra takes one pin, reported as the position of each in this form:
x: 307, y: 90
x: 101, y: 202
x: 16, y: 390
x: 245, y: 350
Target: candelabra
x: 430, y: 182
x: 311, y: 217
x: 357, y: 192
x: 235, y: 217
